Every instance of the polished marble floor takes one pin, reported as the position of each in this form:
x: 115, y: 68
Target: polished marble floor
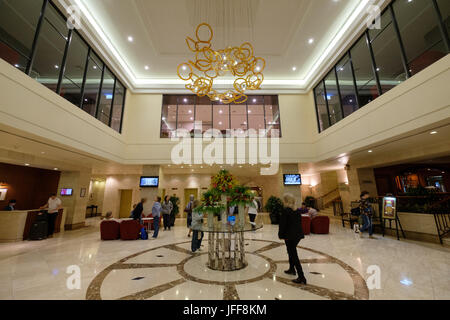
x: 337, y: 266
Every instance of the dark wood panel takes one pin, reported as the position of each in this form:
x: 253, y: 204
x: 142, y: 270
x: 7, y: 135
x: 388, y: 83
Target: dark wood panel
x: 31, y: 187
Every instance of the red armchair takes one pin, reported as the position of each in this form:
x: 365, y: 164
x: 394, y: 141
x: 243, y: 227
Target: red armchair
x: 109, y: 230
x: 306, y: 225
x: 320, y: 225
x: 130, y: 230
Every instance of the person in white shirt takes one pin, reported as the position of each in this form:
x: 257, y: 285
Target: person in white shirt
x: 252, y: 213
x: 53, y: 205
x: 312, y: 212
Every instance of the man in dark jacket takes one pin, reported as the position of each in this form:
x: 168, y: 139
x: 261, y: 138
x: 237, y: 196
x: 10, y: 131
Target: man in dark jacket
x: 137, y: 212
x: 291, y: 232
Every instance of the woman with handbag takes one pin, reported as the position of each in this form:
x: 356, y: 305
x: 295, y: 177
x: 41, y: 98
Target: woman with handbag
x: 166, y: 210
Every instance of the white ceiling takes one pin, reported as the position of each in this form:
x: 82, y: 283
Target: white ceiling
x: 278, y: 29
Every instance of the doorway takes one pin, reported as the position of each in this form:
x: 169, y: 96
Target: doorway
x: 126, y: 197
x: 187, y: 195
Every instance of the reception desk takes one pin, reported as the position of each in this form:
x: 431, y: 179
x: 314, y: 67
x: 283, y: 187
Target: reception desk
x: 15, y: 225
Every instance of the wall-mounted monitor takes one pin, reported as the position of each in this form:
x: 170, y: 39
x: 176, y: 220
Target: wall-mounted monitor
x: 66, y: 192
x: 292, y: 180
x: 149, y: 182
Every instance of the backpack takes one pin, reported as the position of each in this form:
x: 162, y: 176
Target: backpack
x: 356, y: 211
x: 144, y: 234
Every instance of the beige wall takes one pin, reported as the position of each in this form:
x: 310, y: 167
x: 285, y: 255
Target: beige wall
x: 75, y: 204
x: 97, y: 194
x: 31, y: 109
x: 115, y: 183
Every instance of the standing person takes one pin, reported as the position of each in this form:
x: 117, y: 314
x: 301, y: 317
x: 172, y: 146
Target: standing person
x: 188, y: 211
x: 53, y: 205
x: 196, y: 225
x: 252, y: 213
x: 166, y: 210
x: 11, y: 205
x: 366, y: 215
x: 131, y: 213
x: 137, y: 211
x: 291, y: 232
x: 156, y: 213
x: 175, y: 205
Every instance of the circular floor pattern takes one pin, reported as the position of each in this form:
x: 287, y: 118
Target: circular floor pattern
x: 134, y: 276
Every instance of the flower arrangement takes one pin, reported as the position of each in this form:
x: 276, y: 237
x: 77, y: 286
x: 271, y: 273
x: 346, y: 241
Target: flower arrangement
x: 211, y: 202
x: 241, y: 196
x: 223, y: 182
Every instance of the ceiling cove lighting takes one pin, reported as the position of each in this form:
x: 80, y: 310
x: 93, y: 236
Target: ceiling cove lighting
x: 210, y: 64
x: 349, y: 18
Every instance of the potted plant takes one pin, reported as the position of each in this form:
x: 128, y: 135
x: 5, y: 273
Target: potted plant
x: 241, y: 197
x: 310, y: 202
x: 211, y: 204
x: 274, y: 206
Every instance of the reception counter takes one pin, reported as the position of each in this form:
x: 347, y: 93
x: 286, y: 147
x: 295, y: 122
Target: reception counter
x: 15, y: 225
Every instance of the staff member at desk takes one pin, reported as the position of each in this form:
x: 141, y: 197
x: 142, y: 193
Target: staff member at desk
x: 10, y: 206
x: 53, y: 205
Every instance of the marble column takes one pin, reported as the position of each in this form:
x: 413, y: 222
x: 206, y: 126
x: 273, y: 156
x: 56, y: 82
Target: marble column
x: 294, y: 190
x: 75, y: 205
x: 361, y: 179
x: 150, y: 193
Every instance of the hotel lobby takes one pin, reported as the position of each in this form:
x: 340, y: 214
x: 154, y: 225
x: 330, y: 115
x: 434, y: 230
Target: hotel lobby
x: 131, y: 130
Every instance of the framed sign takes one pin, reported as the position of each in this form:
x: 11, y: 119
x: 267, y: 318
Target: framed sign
x: 390, y: 208
x: 3, y: 194
x: 83, y: 193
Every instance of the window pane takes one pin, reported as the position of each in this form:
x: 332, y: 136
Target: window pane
x: 365, y: 79
x: 256, y: 113
x: 444, y: 8
x: 50, y: 49
x: 203, y: 113
x: 104, y: 108
x: 239, y: 117
x: 334, y: 103
x: 321, y: 106
x: 418, y: 24
x: 18, y: 21
x: 272, y: 111
x: 186, y: 113
x: 169, y: 116
x: 74, y: 71
x: 387, y: 52
x: 13, y: 57
x: 92, y: 87
x: 221, y: 117
x: 346, y: 86
x: 117, y: 111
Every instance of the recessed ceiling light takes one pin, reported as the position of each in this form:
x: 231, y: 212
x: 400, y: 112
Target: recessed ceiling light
x: 294, y: 68
x: 433, y: 132
x: 27, y: 164
x: 56, y: 66
x: 146, y: 67
x: 56, y: 169
x: 311, y: 41
x: 370, y: 151
x: 130, y: 39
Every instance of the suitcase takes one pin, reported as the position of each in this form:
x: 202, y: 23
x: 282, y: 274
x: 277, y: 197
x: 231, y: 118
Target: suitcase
x: 39, y: 230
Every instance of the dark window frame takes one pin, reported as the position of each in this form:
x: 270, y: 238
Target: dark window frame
x: 32, y: 56
x: 365, y: 34
x: 212, y: 105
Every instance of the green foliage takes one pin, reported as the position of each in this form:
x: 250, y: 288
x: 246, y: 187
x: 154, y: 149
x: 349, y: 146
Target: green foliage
x: 241, y: 195
x: 274, y: 206
x: 211, y: 202
x: 310, y: 201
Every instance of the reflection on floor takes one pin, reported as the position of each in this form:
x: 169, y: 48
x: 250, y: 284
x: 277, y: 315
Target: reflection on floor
x: 337, y: 266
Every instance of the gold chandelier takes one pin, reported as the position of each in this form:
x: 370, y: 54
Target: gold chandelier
x: 210, y: 64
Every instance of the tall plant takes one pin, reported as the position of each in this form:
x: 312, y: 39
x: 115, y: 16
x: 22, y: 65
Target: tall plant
x: 274, y: 206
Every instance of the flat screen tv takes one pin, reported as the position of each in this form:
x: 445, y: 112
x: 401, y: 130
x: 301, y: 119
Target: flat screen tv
x: 66, y: 192
x: 292, y: 179
x: 149, y: 182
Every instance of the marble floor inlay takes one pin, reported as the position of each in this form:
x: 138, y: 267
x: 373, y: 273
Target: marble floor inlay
x: 193, y: 268
x: 338, y: 266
